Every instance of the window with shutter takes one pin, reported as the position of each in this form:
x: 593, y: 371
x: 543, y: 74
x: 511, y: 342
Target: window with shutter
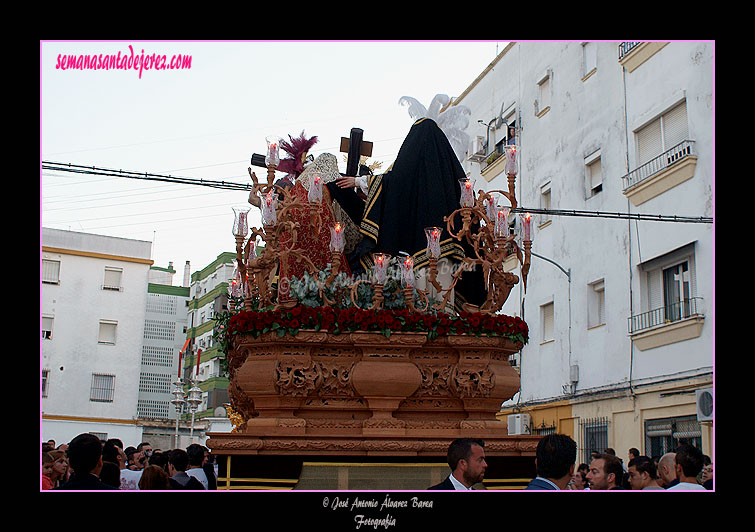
x: 675, y: 128
x: 544, y: 94
x: 545, y: 202
x: 107, y: 332
x: 589, y: 58
x: 47, y: 327
x: 596, y: 304
x: 676, y: 292
x: 662, y: 134
x: 594, y: 177
x: 50, y: 271
x: 665, y: 435
x: 670, y: 288
x: 649, y: 142
x: 547, y: 315
x: 543, y: 101
x: 112, y: 279
x: 45, y: 381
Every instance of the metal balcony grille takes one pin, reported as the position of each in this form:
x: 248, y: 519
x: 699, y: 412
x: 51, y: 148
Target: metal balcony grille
x: 665, y: 435
x: 103, y: 388
x: 626, y: 47
x: 544, y: 430
x: 666, y: 314
x: 664, y: 160
x: 594, y: 436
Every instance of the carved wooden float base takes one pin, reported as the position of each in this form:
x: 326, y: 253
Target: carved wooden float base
x: 365, y: 394
x: 409, y: 445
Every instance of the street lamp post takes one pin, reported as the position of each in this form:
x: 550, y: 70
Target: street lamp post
x: 194, y: 399
x: 179, y: 401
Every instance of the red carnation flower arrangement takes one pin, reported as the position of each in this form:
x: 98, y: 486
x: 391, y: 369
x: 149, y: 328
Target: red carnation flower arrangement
x: 337, y: 321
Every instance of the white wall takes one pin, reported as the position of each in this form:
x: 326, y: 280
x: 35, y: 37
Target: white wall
x: 78, y: 303
x: 587, y: 115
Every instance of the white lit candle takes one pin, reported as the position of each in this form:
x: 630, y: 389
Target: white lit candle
x: 381, y: 266
x: 336, y: 237
x: 433, y: 241
x: 314, y: 195
x: 240, y: 222
x: 501, y: 221
x: 526, y: 224
x: 511, y: 159
x: 273, y: 157
x: 407, y: 272
x: 490, y: 208
x: 234, y: 288
x: 269, y: 203
x: 467, y: 193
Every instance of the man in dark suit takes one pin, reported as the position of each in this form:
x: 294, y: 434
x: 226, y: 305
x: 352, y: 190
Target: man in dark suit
x: 85, y: 459
x: 178, y: 462
x: 466, y: 458
x: 554, y: 462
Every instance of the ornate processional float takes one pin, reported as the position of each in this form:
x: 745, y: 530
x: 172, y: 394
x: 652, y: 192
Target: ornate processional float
x: 332, y: 366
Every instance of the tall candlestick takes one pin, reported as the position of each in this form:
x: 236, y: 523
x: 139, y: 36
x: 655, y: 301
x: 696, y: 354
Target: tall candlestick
x: 467, y: 193
x: 433, y: 241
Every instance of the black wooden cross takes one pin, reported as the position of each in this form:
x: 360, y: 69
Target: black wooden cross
x: 355, y: 147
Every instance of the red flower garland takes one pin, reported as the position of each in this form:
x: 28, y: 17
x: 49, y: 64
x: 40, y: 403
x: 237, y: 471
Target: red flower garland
x: 386, y: 321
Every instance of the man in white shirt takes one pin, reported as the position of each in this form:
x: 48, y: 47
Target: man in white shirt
x: 689, y: 463
x: 197, y: 458
x: 466, y: 458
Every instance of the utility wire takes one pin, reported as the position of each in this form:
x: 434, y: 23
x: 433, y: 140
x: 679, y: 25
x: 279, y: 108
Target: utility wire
x: 81, y: 169
x: 91, y: 170
x: 621, y: 215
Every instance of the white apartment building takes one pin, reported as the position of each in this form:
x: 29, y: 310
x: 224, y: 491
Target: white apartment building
x: 165, y: 329
x: 208, y: 297
x: 93, y: 296
x: 620, y: 310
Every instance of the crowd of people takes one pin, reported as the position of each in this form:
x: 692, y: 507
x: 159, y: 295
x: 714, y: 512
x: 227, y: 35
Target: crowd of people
x: 87, y: 463
x: 556, y: 468
x: 685, y: 469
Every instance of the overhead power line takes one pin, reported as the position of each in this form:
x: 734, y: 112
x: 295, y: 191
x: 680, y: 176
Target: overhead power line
x: 81, y: 169
x: 621, y: 215
x: 92, y: 170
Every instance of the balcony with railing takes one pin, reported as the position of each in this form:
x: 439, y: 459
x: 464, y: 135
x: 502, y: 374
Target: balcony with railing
x: 626, y: 47
x: 672, y: 167
x: 632, y: 54
x: 672, y: 323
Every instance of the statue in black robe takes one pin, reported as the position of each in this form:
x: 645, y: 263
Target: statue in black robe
x: 418, y: 191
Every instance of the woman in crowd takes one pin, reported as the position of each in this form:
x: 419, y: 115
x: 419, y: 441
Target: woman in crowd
x: 154, y: 477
